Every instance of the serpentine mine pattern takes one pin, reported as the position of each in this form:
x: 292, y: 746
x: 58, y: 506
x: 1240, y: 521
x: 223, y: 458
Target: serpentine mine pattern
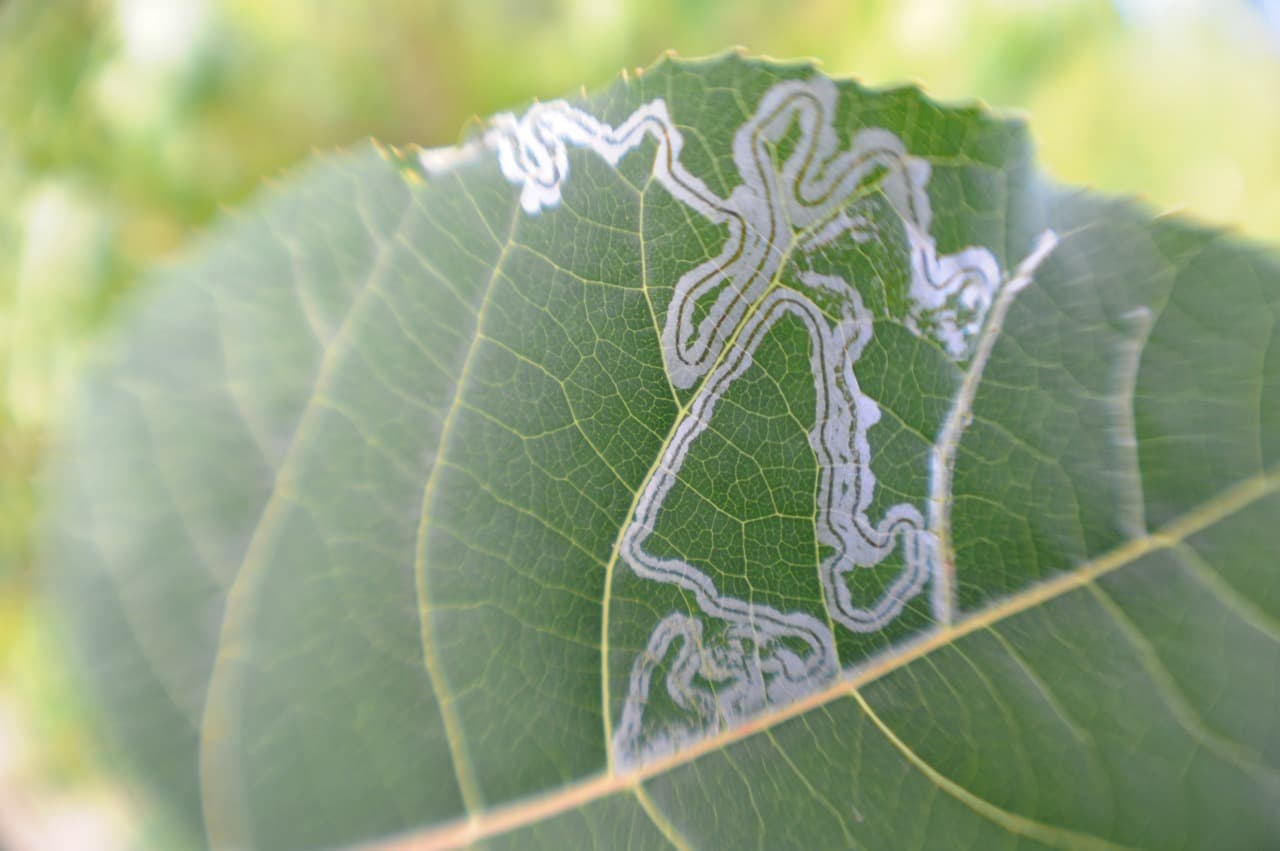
x: 756, y: 656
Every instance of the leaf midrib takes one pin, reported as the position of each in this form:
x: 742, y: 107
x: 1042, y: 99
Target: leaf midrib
x: 528, y: 811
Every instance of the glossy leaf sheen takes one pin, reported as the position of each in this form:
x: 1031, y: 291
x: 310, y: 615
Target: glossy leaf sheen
x: 346, y: 525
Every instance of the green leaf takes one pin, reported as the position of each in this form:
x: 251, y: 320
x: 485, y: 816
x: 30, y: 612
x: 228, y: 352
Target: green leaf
x: 731, y: 458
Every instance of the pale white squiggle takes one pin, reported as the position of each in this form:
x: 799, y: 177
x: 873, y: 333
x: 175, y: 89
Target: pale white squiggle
x: 533, y: 152
x: 759, y: 643
x: 948, y: 294
x: 1132, y: 516
x: 942, y: 455
x: 858, y: 227
x: 747, y: 656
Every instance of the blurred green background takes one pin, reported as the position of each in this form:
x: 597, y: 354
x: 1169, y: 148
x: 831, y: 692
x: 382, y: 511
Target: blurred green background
x: 126, y: 125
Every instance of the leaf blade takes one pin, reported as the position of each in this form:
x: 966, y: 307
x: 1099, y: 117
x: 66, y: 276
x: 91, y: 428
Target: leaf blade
x: 467, y: 662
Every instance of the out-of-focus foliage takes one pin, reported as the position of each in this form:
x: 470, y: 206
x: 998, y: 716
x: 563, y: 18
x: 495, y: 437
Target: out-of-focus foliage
x: 126, y: 124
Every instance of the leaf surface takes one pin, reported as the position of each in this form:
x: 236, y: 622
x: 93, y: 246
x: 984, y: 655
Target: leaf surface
x: 730, y: 458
